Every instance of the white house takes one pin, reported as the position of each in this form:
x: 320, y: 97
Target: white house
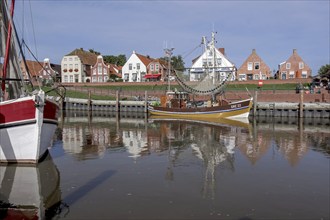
x: 214, y: 61
x: 76, y: 66
x: 135, y: 68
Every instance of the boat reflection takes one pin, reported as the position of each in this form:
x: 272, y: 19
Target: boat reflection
x: 30, y: 191
x: 212, y: 141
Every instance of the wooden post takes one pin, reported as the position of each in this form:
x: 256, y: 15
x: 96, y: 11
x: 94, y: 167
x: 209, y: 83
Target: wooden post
x: 145, y: 101
x: 301, y: 104
x: 117, y: 101
x: 89, y: 102
x: 255, y: 100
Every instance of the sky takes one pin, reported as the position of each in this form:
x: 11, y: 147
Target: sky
x: 54, y: 28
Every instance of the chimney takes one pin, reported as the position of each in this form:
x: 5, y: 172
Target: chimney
x: 222, y: 50
x: 294, y: 51
x: 253, y: 51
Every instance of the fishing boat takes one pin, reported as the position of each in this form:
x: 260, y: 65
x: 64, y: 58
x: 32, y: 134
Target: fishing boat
x: 28, y: 118
x: 209, y: 79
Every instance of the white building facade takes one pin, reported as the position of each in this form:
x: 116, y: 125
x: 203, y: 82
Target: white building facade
x: 135, y: 68
x: 214, y: 62
x: 72, y: 69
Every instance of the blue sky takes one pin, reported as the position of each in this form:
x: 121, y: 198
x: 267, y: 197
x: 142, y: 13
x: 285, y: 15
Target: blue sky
x: 273, y: 28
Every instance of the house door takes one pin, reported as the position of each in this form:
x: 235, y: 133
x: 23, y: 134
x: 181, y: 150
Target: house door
x: 250, y: 76
x: 283, y: 75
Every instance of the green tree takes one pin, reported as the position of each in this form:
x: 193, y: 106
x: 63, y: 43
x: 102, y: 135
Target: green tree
x: 324, y: 70
x: 176, y: 62
x: 119, y: 60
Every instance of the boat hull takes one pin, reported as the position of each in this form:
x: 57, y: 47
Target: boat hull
x: 239, y: 109
x: 27, y: 126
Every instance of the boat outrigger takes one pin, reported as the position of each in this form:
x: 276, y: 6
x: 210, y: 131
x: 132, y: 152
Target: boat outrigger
x: 211, y: 79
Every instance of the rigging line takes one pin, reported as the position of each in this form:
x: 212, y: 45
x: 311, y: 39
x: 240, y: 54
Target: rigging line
x: 190, y: 52
x: 33, y: 29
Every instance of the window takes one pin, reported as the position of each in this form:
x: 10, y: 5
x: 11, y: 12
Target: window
x: 138, y: 66
x: 65, y: 59
x: 256, y: 65
x: 301, y: 65
x: 94, y: 79
x: 283, y: 75
x: 65, y: 66
x: 100, y: 79
x: 99, y: 68
x: 249, y: 65
x: 130, y: 66
x: 126, y: 76
x: 288, y: 66
x: 152, y: 67
x: 76, y: 78
x: 157, y: 67
x: 304, y: 74
x: 70, y: 59
x: 219, y: 61
x: 204, y: 62
x: 71, y: 78
x: 256, y: 76
x: 291, y: 75
x: 134, y: 77
x: 242, y: 77
x: 76, y: 66
x: 65, y: 78
x: 70, y: 66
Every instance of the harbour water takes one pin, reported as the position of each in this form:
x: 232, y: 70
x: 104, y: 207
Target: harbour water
x: 133, y: 167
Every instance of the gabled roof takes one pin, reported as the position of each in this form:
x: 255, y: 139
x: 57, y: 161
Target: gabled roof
x: 86, y: 57
x: 253, y: 57
x: 144, y: 59
x: 34, y: 67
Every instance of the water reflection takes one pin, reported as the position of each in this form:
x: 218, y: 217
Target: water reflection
x: 192, y: 169
x: 90, y: 136
x: 30, y: 191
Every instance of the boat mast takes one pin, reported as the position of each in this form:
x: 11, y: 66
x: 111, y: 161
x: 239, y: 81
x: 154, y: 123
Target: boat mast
x: 168, y: 53
x: 6, y: 58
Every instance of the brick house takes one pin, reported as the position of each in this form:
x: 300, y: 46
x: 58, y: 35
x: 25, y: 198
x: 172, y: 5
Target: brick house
x: 101, y: 72
x: 50, y: 71
x: 76, y: 66
x: 135, y: 68
x: 156, y: 70
x: 294, y: 67
x: 45, y: 71
x: 253, y: 68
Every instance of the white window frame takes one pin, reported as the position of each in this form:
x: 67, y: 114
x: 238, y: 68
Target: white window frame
x: 249, y: 66
x: 288, y: 66
x: 301, y: 65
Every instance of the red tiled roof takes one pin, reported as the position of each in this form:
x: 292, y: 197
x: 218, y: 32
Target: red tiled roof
x: 34, y: 67
x: 144, y: 59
